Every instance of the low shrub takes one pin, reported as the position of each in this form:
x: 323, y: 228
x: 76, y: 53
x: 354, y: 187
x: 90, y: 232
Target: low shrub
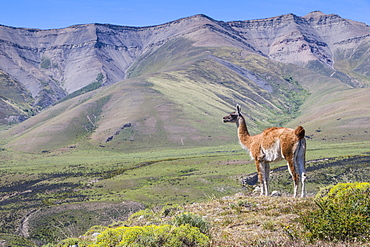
x: 192, y: 220
x: 68, y: 242
x: 170, y: 210
x: 342, y: 213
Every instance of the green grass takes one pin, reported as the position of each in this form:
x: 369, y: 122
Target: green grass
x: 194, y: 173
x: 34, y: 181
x: 15, y: 240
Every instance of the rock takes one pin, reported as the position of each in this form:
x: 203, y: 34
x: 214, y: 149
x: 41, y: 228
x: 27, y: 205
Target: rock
x: 128, y: 125
x: 239, y: 195
x: 275, y: 193
x: 109, y: 139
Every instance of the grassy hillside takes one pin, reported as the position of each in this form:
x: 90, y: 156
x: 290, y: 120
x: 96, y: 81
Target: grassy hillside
x: 333, y: 113
x: 355, y: 62
x: 171, y: 104
x: 157, y: 137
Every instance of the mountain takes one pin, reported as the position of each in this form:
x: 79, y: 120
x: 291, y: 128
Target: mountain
x: 149, y: 87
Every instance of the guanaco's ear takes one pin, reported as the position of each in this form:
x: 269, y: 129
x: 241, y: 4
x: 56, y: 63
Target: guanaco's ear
x: 238, y: 109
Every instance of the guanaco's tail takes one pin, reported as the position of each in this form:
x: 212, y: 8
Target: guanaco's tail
x: 299, y: 132
x: 300, y: 156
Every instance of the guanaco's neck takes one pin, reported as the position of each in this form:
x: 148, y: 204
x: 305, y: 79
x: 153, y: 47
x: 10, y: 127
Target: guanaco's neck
x: 243, y: 133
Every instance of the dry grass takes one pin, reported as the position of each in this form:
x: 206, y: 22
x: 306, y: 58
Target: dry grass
x: 242, y: 220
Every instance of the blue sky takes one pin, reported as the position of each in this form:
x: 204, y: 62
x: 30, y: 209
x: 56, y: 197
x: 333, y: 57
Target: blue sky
x: 47, y: 14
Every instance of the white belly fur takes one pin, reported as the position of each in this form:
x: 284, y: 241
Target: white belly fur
x: 273, y: 153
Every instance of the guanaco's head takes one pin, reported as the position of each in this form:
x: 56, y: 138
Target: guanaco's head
x: 233, y: 117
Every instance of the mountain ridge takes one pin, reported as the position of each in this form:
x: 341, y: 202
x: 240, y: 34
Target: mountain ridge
x: 93, y: 35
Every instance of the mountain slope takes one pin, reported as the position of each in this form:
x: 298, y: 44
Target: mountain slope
x: 15, y: 101
x: 166, y: 85
x: 166, y: 108
x: 53, y: 63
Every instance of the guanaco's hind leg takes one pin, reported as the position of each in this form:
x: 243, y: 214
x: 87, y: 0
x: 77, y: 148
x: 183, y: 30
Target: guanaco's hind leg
x: 294, y: 175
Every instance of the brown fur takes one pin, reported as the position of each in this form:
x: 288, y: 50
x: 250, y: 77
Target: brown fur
x: 273, y: 144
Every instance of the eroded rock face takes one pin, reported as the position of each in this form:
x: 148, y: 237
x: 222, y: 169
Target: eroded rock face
x: 51, y: 64
x: 293, y: 39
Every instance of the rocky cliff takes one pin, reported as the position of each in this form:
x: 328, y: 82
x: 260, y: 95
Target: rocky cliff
x: 293, y: 39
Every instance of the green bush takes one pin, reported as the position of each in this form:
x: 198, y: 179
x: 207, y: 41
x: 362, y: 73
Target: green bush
x: 343, y: 213
x: 152, y: 235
